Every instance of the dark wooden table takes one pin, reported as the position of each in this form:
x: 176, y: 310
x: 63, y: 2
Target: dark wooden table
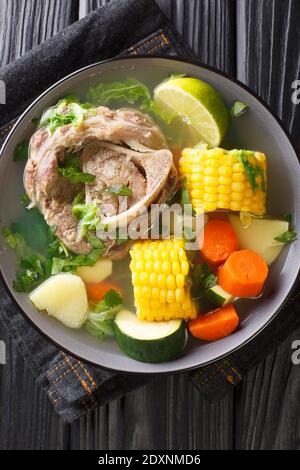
x: 257, y: 41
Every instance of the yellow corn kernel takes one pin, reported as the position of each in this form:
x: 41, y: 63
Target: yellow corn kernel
x: 180, y: 280
x: 166, y: 267
x: 179, y: 295
x: 171, y: 281
x: 170, y: 296
x: 157, y: 266
x: 161, y: 281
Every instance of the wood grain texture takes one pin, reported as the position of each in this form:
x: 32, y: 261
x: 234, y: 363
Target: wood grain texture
x: 267, y: 403
x: 168, y: 413
x: 27, y: 419
x: 27, y: 23
x: 208, y: 26
x: 268, y: 61
x: 268, y: 58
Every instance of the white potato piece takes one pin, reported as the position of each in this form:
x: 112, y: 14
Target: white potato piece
x: 259, y: 236
x: 64, y: 297
x: 97, y: 273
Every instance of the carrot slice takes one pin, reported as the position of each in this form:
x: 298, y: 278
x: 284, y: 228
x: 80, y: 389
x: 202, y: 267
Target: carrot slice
x: 215, y: 325
x: 219, y: 241
x: 243, y: 274
x: 96, y: 291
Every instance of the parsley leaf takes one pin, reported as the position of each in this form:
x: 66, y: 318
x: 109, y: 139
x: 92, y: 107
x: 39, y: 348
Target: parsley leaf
x: 112, y: 298
x: 79, y: 198
x: 88, y: 216
x: 100, y: 319
x: 21, y: 151
x: 67, y: 111
x: 41, y: 253
x: 95, y: 242
x: 122, y: 190
x: 70, y: 169
x: 25, y: 200
x: 202, y: 279
x: 288, y: 218
x: 76, y: 176
x: 32, y: 274
x: 287, y: 237
x: 238, y: 108
x: 130, y: 91
x: 177, y: 75
x: 252, y: 168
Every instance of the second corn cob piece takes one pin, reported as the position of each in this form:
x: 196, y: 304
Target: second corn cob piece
x: 160, y: 271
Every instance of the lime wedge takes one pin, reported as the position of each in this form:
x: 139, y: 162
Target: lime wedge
x: 198, y: 105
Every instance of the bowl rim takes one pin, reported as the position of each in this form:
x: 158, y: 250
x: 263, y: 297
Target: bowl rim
x: 196, y: 63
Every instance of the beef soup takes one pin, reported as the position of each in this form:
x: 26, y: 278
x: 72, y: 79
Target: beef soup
x: 142, y: 220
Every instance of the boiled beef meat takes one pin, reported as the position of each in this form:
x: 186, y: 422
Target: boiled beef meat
x: 102, y: 146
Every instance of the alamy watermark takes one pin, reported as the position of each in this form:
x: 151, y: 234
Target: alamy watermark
x: 2, y: 92
x: 296, y: 353
x: 296, y: 94
x: 2, y: 353
x: 159, y: 221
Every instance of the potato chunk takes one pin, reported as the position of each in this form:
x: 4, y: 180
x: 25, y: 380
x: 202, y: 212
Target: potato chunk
x: 97, y: 273
x: 64, y: 297
x: 260, y: 235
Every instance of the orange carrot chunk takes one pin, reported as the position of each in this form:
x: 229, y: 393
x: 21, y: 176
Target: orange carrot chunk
x: 96, y: 291
x: 219, y: 241
x: 215, y: 325
x: 243, y: 274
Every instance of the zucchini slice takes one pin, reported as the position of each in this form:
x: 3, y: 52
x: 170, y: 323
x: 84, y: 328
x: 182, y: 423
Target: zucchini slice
x: 218, y: 296
x: 149, y: 341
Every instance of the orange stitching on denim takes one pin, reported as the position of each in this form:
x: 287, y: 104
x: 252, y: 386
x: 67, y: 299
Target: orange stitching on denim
x: 57, y: 367
x: 159, y: 46
x: 209, y: 377
x: 165, y: 38
x: 61, y: 376
x: 53, y: 400
x: 162, y: 36
x: 226, y: 361
x: 88, y: 375
x: 140, y: 46
x: 83, y: 382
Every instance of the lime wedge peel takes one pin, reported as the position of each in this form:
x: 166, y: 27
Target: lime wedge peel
x: 198, y: 104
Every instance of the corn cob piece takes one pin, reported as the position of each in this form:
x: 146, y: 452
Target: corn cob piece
x: 159, y: 276
x: 222, y: 179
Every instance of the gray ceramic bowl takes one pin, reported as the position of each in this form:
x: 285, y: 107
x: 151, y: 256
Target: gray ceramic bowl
x: 257, y: 129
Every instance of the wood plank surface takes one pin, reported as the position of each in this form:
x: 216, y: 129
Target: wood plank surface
x: 168, y: 413
x: 268, y: 61
x: 27, y: 419
x: 26, y: 23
